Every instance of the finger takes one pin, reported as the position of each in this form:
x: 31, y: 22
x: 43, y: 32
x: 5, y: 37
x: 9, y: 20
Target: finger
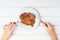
x: 5, y: 26
x: 44, y: 23
x: 13, y: 27
x: 10, y: 25
x: 50, y: 25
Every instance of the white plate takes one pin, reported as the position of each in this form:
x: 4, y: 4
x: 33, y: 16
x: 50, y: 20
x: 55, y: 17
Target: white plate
x: 31, y: 10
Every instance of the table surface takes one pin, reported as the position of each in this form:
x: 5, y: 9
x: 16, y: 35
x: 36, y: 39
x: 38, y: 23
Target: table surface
x: 49, y: 11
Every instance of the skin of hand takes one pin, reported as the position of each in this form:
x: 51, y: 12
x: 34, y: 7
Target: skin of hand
x: 50, y: 29
x: 8, y: 30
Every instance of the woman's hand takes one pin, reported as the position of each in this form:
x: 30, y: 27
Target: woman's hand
x: 50, y: 29
x: 8, y: 30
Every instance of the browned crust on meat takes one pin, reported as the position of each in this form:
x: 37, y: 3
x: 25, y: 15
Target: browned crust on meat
x: 27, y: 18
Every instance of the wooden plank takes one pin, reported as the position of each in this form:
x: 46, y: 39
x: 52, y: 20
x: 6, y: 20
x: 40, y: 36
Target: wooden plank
x: 32, y: 37
x: 31, y: 3
x: 53, y: 20
x: 49, y: 12
x: 39, y: 30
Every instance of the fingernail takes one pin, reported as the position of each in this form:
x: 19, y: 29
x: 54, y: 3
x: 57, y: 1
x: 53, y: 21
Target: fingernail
x: 10, y: 22
x: 14, y: 22
x: 42, y: 21
x: 46, y: 25
x: 6, y: 25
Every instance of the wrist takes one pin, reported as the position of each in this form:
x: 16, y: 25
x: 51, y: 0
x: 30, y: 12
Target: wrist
x: 54, y: 38
x: 4, y: 38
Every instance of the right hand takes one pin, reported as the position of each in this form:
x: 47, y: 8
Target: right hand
x: 50, y: 29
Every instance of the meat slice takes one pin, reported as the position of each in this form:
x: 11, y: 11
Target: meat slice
x: 27, y: 18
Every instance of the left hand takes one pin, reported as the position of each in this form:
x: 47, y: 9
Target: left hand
x: 8, y: 30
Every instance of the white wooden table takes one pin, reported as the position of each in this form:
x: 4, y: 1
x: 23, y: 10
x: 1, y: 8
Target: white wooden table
x: 49, y: 10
